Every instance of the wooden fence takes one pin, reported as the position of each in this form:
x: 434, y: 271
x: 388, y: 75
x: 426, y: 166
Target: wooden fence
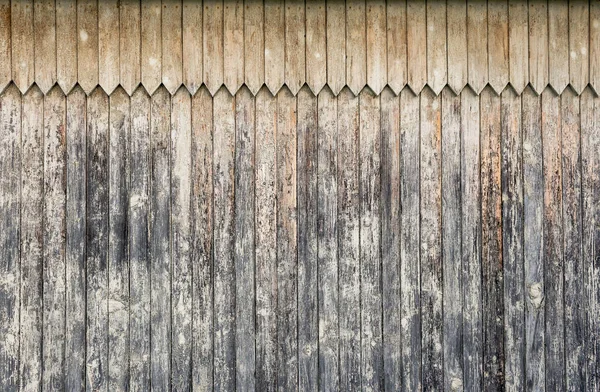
x: 299, y: 242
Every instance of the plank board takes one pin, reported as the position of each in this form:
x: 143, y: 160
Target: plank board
x: 416, y: 44
x: 498, y: 45
x: 356, y: 45
x: 579, y: 34
x: 192, y: 42
x: 295, y: 45
x: 172, y: 47
x: 436, y: 46
x: 396, y: 45
x: 233, y: 45
x: 129, y: 45
x: 518, y: 44
x: 274, y: 45
x: 151, y: 45
x: 336, y: 45
x: 213, y: 45
x: 376, y: 45
x: 538, y: 45
x: 254, y: 37
x: 44, y: 30
x: 22, y: 42
x: 456, y: 14
x: 558, y: 45
x: 477, y: 44
x: 316, y: 45
x: 5, y: 44
x: 108, y: 45
x: 87, y: 45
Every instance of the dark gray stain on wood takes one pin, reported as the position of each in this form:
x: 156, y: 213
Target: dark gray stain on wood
x: 273, y: 243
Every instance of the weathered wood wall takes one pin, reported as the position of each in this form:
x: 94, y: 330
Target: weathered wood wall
x: 354, y: 43
x: 299, y: 242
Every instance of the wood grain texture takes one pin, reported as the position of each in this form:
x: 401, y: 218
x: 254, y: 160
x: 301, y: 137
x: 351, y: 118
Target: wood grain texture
x: 594, y: 31
x: 31, y: 241
x: 118, y: 251
x: 336, y: 45
x: 518, y: 44
x: 192, y: 44
x: 22, y: 43
x: 538, y: 45
x: 274, y: 45
x: 172, y: 46
x: 477, y: 45
x: 348, y: 231
x: 265, y: 222
x: 396, y: 45
x: 10, y: 233
x: 416, y: 44
x: 376, y: 45
x: 356, y: 45
x: 233, y: 45
x: 558, y: 45
x: 97, y: 202
x: 254, y: 37
x: 244, y: 240
x: 498, y: 45
x: 224, y: 245
x: 327, y: 242
x: 108, y: 45
x: 44, y: 37
x: 213, y: 45
x: 130, y: 45
x: 308, y: 328
x: 295, y: 45
x: 75, y: 259
x: 66, y: 44
x: 579, y: 34
x: 456, y: 14
x: 87, y: 45
x: 181, y: 285
x: 316, y: 45
x: 436, y: 46
x: 151, y: 47
x: 5, y: 44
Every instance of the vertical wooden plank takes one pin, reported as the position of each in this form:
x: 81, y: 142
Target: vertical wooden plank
x: 192, y: 30
x: 31, y: 241
x: 295, y: 45
x: 254, y: 45
x: 10, y: 166
x: 274, y: 45
x: 266, y: 242
x: 532, y: 239
x: 456, y: 14
x: 213, y: 45
x: 108, y: 45
x: 138, y: 238
x: 202, y: 225
x: 87, y: 45
x: 396, y: 45
x: 54, y: 219
x: 410, y: 312
x: 431, y: 235
x: 498, y: 45
x: 151, y: 45
x: 369, y: 156
x: 558, y: 39
x: 348, y: 240
x: 76, y: 241
x: 390, y: 239
x: 181, y: 286
x: 5, y: 44
x: 97, y: 242
x: 224, y: 208
x: 518, y: 44
x: 416, y: 44
x: 574, y: 290
x: 491, y: 240
x: 437, y: 57
x: 233, y: 45
x: 327, y: 238
x: 118, y: 252
x: 477, y: 44
x: 471, y: 243
x: 66, y: 44
x: 172, y: 47
x: 579, y: 30
x: 308, y: 328
x: 244, y: 240
x: 594, y: 31
x: 22, y: 41
x: 553, y: 241
x: 512, y: 240
x: 356, y: 45
x: 590, y: 143
x: 130, y: 45
x: 287, y: 248
x: 316, y: 45
x: 376, y: 45
x: 44, y: 30
x: 336, y: 45
x: 538, y: 45
x: 160, y: 249
x: 451, y: 241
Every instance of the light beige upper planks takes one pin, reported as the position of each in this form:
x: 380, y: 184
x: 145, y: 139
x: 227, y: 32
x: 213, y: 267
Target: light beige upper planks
x: 292, y: 43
